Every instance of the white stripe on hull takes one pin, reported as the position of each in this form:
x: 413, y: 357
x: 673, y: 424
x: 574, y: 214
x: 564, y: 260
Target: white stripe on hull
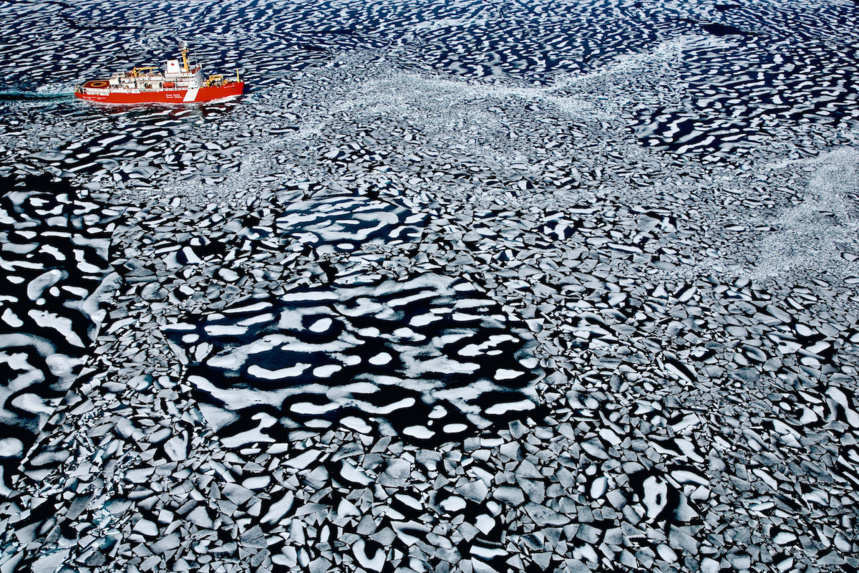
x: 191, y: 95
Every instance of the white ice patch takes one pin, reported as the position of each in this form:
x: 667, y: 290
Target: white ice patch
x: 225, y: 330
x: 380, y: 359
x: 34, y: 404
x: 420, y: 432
x: 227, y: 360
x: 308, y: 296
x: 438, y: 365
x: 310, y: 409
x: 11, y: 448
x: 10, y: 318
x: 383, y: 410
x: 43, y: 282
x: 503, y: 408
x: 480, y: 349
x: 254, y: 435
x: 291, y: 372
x: 61, y: 324
x: 350, y: 360
x: 326, y: 371
x: 216, y: 417
x: 438, y: 411
x: 321, y: 325
x: 250, y: 321
x: 424, y: 319
x: 356, y: 424
x: 409, y: 334
x: 63, y: 366
x: 256, y: 307
x: 180, y: 326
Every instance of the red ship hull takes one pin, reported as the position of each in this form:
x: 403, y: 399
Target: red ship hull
x: 198, y: 95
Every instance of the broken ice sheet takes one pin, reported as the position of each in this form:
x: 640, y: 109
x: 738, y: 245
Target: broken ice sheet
x: 54, y: 277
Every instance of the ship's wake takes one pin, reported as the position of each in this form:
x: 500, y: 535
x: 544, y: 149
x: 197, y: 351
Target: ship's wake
x: 35, y: 96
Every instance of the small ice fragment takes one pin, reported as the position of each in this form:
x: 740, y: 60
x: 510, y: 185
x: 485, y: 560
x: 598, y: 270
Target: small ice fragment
x: 353, y: 474
x: 257, y: 482
x: 599, y: 487
x: 453, y: 503
x: 146, y: 527
x: 228, y: 275
x: 305, y: 459
x: 485, y: 523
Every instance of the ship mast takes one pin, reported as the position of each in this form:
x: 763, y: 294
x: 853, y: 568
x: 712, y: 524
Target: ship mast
x: 185, y: 56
